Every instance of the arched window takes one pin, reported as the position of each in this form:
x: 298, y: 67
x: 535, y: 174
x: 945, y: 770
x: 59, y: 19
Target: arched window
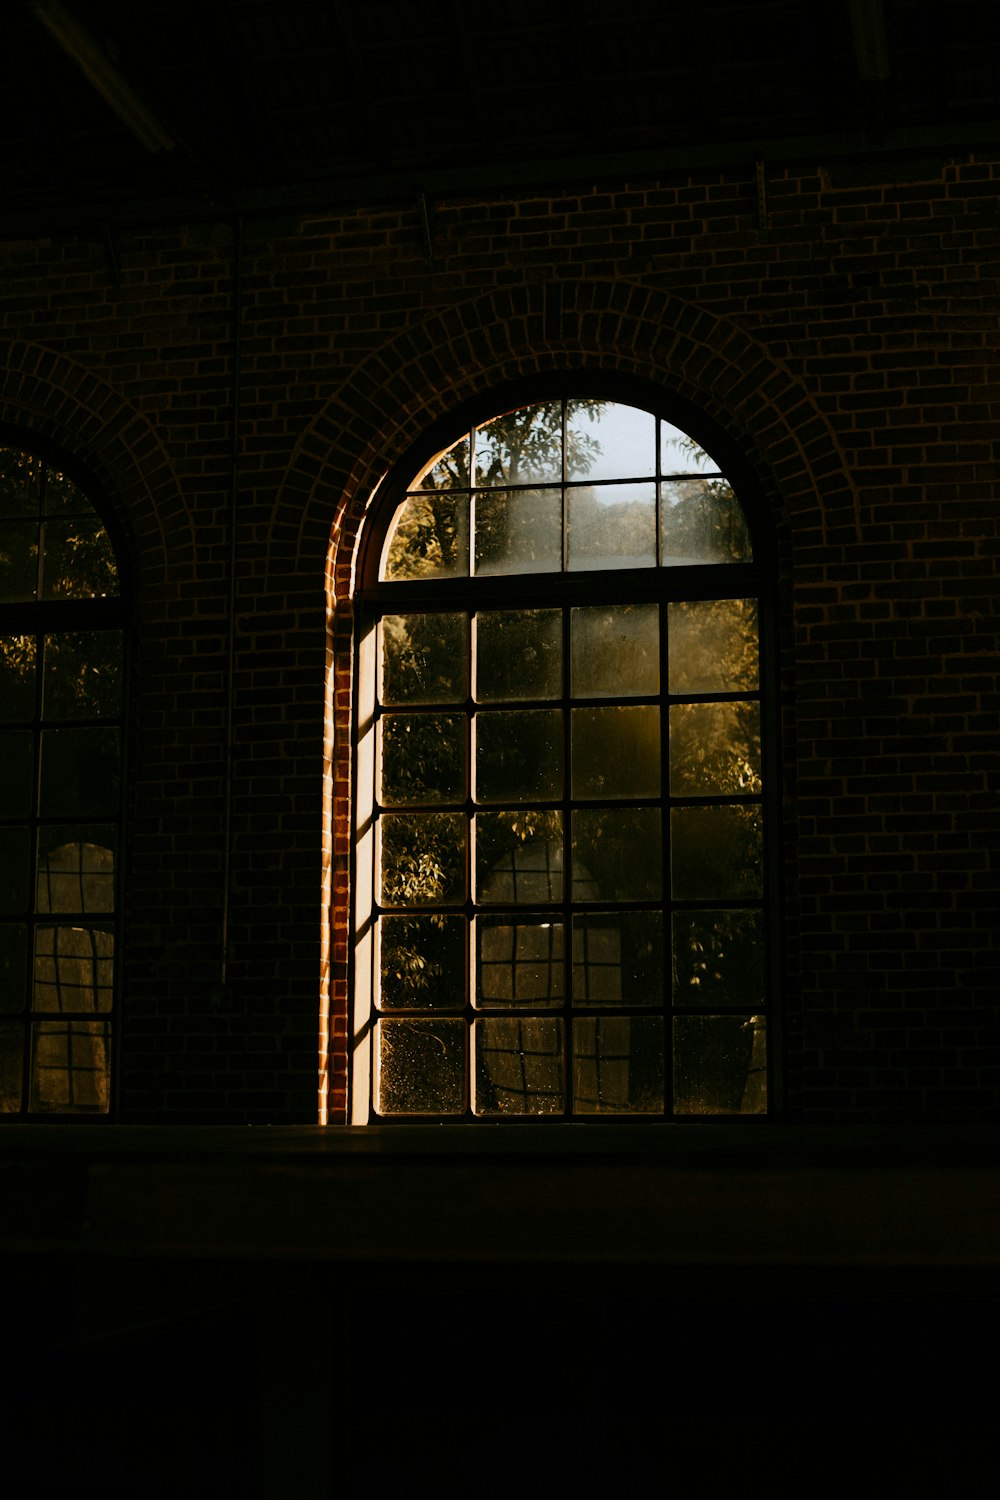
x: 561, y: 907
x: 61, y: 690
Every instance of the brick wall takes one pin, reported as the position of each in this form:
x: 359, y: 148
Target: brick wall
x: 848, y: 351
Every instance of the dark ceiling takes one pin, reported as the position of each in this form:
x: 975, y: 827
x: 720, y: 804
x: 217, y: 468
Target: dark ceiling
x: 268, y: 103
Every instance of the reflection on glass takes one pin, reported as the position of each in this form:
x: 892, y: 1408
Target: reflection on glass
x: 615, y: 651
x: 83, y: 675
x: 519, y: 962
x: 618, y: 958
x: 19, y: 562
x: 720, y: 1065
x: 74, y: 968
x: 715, y: 748
x: 17, y: 678
x: 611, y: 526
x: 617, y: 854
x: 518, y: 531
x: 70, y: 1067
x: 79, y: 562
x: 613, y: 442
x: 715, y: 852
x: 519, y: 1066
x: 11, y: 1065
x: 521, y: 447
x: 422, y: 858
x: 13, y: 965
x: 17, y: 778
x: 518, y: 654
x: 76, y: 870
x: 718, y: 958
x: 615, y: 752
x: 448, y: 471
x: 519, y: 755
x: 422, y: 962
x: 422, y: 658
x: 702, y: 522
x: 423, y: 758
x: 618, y: 1065
x: 519, y: 857
x: 79, y: 772
x: 428, y: 538
x: 14, y: 865
x: 712, y: 646
x: 420, y: 1067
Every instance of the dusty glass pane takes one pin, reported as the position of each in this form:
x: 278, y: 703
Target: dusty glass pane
x: 20, y: 483
x: 615, y: 752
x: 420, y: 1067
x: 17, y: 780
x: 422, y: 658
x: 71, y: 1067
x: 518, y: 531
x: 422, y: 962
x: 680, y: 454
x: 13, y: 966
x: 76, y: 869
x: 518, y: 654
x: 74, y: 968
x: 519, y: 1066
x: 615, y: 650
x: 422, y: 858
x: 79, y: 772
x: 79, y: 561
x: 611, y: 526
x: 718, y: 958
x: 617, y: 854
x: 519, y: 961
x: 611, y: 441
x: 449, y: 471
x: 83, y: 675
x: 11, y: 1065
x: 17, y: 678
x: 519, y: 857
x: 15, y: 863
x: 618, y: 1065
x: 423, y: 758
x: 712, y: 646
x: 618, y: 958
x: 702, y: 521
x: 521, y: 447
x: 716, y: 852
x: 715, y: 748
x: 18, y: 562
x: 428, y: 538
x: 519, y: 755
x: 720, y: 1065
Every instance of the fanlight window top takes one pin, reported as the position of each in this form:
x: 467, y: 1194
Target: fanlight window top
x: 53, y: 544
x: 567, y: 486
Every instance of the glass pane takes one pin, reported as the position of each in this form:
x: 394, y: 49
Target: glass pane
x: 618, y: 1065
x: 422, y: 858
x: 518, y: 531
x: 429, y: 538
x: 715, y: 748
x: 680, y: 454
x: 420, y: 1067
x: 712, y: 646
x: 423, y: 758
x: 20, y: 484
x: 449, y: 471
x: 716, y: 852
x: 17, y: 678
x: 60, y: 496
x: 13, y: 965
x: 720, y: 1065
x: 519, y: 857
x: 76, y: 870
x: 11, y: 1065
x: 71, y: 1067
x: 15, y: 864
x: 618, y: 958
x: 79, y: 772
x: 608, y: 441
x: 83, y: 675
x: 19, y: 562
x: 422, y: 962
x: 518, y: 654
x: 74, y: 968
x: 17, y: 783
x: 616, y: 651
x: 611, y: 526
x: 422, y: 658
x: 519, y: 962
x: 616, y: 752
x: 702, y: 522
x: 521, y: 447
x: 617, y: 854
x: 79, y: 560
x: 519, y: 1067
x: 519, y: 756
x: 718, y: 958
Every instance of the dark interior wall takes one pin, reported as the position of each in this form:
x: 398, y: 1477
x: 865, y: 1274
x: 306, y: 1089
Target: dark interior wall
x: 846, y: 348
